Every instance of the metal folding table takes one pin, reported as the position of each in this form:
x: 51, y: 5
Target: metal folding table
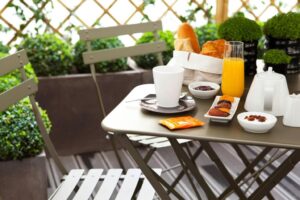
x: 129, y: 118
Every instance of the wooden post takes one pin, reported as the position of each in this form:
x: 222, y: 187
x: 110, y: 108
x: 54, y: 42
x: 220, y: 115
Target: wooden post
x: 222, y: 11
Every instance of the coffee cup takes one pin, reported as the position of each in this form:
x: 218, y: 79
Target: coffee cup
x: 168, y: 83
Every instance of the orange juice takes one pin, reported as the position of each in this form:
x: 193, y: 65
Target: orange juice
x: 233, y: 77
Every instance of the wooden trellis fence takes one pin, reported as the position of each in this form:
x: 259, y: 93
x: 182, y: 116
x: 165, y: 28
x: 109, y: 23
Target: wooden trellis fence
x: 135, y: 12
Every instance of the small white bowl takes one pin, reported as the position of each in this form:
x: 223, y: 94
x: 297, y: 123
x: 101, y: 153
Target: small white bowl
x: 256, y: 126
x: 204, y: 94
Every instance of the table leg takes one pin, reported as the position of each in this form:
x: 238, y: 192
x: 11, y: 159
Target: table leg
x: 149, y: 154
x: 181, y: 155
x: 185, y: 170
x: 152, y: 177
x: 112, y: 139
x: 246, y: 170
x: 213, y: 156
x: 181, y: 173
x: 287, y: 166
x: 246, y: 163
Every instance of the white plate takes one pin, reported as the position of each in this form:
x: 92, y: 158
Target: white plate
x: 186, y: 103
x: 233, y: 109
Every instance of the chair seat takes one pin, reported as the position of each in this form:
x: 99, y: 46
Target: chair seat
x: 153, y: 141
x: 95, y: 185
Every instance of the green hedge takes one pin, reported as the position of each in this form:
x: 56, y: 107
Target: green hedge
x: 101, y: 67
x: 283, y: 26
x: 276, y: 56
x: 207, y: 32
x: 48, y: 54
x: 19, y: 134
x: 239, y: 28
x: 149, y: 61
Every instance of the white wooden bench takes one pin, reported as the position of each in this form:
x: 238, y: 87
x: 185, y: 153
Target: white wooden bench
x: 112, y: 181
x: 75, y: 185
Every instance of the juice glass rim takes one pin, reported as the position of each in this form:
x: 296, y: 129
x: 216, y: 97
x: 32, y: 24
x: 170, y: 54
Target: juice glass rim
x: 234, y: 43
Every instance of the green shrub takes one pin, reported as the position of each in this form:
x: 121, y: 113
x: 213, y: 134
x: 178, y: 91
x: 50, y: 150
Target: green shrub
x: 283, y: 26
x: 48, y: 54
x: 239, y: 28
x: 207, y: 32
x: 149, y: 61
x: 19, y: 134
x: 101, y: 67
x: 276, y: 56
x: 3, y: 48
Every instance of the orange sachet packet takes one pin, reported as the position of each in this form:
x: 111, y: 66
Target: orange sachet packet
x: 181, y: 122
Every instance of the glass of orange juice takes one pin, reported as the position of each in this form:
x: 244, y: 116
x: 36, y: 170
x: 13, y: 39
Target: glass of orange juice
x: 233, y: 69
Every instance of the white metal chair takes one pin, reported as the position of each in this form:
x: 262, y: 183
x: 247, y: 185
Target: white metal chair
x: 75, y: 184
x: 91, y: 57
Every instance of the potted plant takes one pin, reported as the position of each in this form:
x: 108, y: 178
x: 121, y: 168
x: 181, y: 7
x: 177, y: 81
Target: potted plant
x: 239, y: 28
x: 21, y: 146
x: 277, y: 59
x: 283, y: 32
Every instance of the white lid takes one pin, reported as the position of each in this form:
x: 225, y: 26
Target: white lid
x: 295, y: 96
x: 270, y: 75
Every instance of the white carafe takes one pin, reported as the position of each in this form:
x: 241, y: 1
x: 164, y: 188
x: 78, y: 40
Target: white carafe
x: 292, y: 111
x: 268, y: 93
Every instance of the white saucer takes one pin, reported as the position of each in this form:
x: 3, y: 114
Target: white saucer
x: 186, y: 103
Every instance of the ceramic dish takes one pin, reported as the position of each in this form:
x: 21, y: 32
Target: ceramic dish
x: 257, y: 126
x: 186, y: 103
x: 233, y: 109
x: 201, y: 94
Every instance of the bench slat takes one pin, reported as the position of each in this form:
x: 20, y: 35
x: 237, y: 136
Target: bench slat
x: 12, y: 62
x: 129, y: 184
x: 92, y: 34
x: 141, y: 137
x: 147, y: 192
x: 89, y: 184
x: 153, y: 140
x: 109, y: 184
x: 17, y: 93
x: 167, y: 143
x: 122, y: 52
x: 68, y: 185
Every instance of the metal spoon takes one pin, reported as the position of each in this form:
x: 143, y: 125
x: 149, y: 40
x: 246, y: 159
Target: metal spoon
x: 183, y: 94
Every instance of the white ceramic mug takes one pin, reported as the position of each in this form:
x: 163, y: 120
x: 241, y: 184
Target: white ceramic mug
x: 292, y: 110
x: 168, y: 83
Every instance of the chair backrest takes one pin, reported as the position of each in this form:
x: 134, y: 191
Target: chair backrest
x: 91, y: 57
x: 27, y: 88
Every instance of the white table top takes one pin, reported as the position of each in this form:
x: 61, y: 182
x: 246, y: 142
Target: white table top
x: 130, y: 118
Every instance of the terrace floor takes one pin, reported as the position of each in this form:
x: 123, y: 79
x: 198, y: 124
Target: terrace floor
x: 288, y: 189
